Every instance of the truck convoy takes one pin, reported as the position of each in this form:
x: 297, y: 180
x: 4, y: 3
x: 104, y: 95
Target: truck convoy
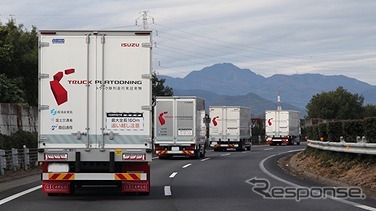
x: 230, y: 127
x: 282, y: 127
x: 179, y: 127
x: 95, y: 110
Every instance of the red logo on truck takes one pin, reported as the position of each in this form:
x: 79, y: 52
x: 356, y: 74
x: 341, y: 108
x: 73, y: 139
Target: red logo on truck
x: 59, y: 92
x: 215, y: 121
x: 161, y: 118
x: 270, y: 121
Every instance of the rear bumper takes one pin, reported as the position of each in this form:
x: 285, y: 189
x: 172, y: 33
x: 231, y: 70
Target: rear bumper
x: 171, y: 152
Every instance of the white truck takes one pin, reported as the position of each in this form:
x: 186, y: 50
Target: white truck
x: 179, y: 126
x: 230, y: 127
x: 95, y: 110
x: 282, y: 127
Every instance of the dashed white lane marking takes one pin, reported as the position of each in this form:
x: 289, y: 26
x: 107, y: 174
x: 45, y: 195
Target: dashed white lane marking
x: 189, y: 164
x: 167, y: 191
x: 12, y: 197
x: 173, y: 175
x: 154, y: 158
x: 227, y: 154
x: 205, y: 159
x: 268, y: 149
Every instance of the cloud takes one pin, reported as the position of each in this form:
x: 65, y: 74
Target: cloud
x: 267, y: 36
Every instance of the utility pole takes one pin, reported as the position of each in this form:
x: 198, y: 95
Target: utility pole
x: 279, y: 107
x: 144, y: 17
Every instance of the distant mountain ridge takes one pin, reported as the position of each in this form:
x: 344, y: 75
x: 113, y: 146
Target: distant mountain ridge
x: 227, y: 83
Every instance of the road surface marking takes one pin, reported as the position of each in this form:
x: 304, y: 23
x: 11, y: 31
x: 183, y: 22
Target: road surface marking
x: 205, y: 159
x: 167, y: 190
x: 263, y: 169
x: 154, y: 158
x: 226, y: 154
x: 173, y: 175
x: 268, y: 149
x: 12, y: 197
x: 187, y: 165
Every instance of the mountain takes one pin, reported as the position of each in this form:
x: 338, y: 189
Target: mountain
x: 257, y: 104
x: 227, y: 80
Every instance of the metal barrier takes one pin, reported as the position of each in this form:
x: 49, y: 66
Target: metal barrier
x: 360, y: 147
x: 15, y: 159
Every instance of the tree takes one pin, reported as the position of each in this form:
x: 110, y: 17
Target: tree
x: 9, y: 91
x: 369, y: 111
x: 158, y: 87
x: 19, y: 59
x: 338, y: 104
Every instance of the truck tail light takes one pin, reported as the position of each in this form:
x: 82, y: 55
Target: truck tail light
x: 190, y: 147
x: 159, y: 148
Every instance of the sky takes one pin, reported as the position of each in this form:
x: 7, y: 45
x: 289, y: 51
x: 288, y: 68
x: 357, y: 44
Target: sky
x: 330, y: 37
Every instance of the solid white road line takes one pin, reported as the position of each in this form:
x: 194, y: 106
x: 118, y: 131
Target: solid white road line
x: 12, y: 197
x: 205, y: 159
x: 167, y: 191
x: 263, y: 169
x: 173, y: 175
x: 186, y: 165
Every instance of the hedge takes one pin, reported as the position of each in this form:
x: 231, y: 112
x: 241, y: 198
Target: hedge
x: 349, y: 129
x: 18, y: 139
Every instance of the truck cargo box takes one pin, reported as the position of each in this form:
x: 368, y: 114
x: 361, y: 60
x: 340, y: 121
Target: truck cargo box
x: 179, y: 126
x: 282, y: 127
x: 95, y: 103
x: 230, y: 127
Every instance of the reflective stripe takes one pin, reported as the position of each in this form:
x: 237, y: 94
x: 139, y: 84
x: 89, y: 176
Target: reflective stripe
x: 94, y: 176
x: 60, y: 176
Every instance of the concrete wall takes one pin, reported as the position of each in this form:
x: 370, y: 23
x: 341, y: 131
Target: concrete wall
x: 14, y: 117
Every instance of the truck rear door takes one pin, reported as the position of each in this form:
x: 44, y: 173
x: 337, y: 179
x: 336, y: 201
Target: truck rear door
x: 95, y: 90
x: 185, y: 120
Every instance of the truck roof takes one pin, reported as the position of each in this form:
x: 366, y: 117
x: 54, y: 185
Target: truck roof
x: 108, y: 32
x: 178, y: 97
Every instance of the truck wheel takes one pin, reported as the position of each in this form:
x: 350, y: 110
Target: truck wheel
x: 197, y: 154
x: 249, y: 148
x: 298, y: 143
x: 241, y: 147
x: 203, y: 154
x: 216, y: 150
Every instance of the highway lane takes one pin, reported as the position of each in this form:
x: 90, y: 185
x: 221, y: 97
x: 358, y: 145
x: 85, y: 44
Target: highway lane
x: 215, y: 183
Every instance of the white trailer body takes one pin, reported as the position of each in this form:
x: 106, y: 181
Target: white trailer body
x: 179, y: 126
x: 95, y: 100
x: 282, y: 127
x: 230, y: 127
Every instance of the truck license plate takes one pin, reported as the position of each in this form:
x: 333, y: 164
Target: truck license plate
x: 175, y: 148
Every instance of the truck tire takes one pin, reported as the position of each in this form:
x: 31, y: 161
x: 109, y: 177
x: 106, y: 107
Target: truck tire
x: 249, y: 148
x: 203, y: 154
x: 241, y: 147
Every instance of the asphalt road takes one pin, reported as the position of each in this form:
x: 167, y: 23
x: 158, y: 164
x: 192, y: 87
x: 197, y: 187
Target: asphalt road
x: 222, y: 181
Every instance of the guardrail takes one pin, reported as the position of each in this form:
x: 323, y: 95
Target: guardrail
x: 360, y: 147
x: 15, y: 159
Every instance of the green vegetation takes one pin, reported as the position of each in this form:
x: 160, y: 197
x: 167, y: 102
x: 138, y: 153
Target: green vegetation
x: 339, y: 105
x: 18, y: 139
x: 18, y: 64
x: 158, y: 87
x: 332, y: 131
